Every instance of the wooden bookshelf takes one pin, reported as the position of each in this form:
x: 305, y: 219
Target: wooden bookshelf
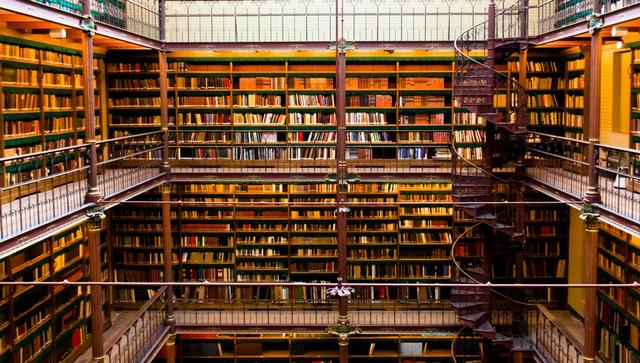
x: 133, y: 82
x: 287, y: 232
x: 47, y: 323
x: 546, y: 249
x: 43, y: 109
x: 618, y: 309
x: 269, y: 110
x: 634, y: 127
x: 316, y: 348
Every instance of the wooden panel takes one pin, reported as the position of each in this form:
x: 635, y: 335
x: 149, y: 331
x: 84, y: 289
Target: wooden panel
x: 577, y: 236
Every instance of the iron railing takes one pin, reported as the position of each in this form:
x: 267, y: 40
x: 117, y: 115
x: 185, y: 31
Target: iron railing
x: 128, y: 161
x: 137, y: 340
x: 141, y: 17
x: 550, y: 340
x: 560, y: 163
x: 194, y: 157
x: 41, y: 187
x: 140, y: 337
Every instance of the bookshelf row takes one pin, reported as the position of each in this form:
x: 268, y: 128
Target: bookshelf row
x: 545, y: 250
x: 42, y: 323
x: 618, y: 309
x: 315, y: 348
x: 634, y: 126
x: 555, y: 89
x: 42, y: 103
x: 287, y: 232
x: 244, y: 101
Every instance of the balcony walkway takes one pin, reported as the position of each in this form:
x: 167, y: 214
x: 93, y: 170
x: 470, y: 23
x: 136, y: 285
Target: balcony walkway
x: 35, y: 210
x: 274, y: 320
x: 619, y: 201
x: 558, y: 335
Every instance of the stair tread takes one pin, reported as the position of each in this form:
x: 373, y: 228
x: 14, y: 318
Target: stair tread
x: 475, y: 270
x: 502, y: 338
x: 486, y: 327
x: 462, y: 305
x: 476, y: 317
x: 486, y: 216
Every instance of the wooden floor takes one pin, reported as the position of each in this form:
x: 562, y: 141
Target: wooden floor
x: 38, y: 209
x: 119, y: 320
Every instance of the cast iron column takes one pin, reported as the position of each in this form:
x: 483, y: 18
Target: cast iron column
x: 593, y: 192
x: 164, y: 111
x: 590, y: 216
x: 167, y: 243
x: 589, y: 213
x: 341, y: 173
x: 89, y: 27
x: 94, y: 226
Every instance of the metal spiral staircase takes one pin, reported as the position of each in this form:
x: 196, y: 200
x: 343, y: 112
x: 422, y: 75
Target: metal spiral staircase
x: 476, y: 188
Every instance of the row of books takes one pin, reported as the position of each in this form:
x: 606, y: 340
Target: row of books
x: 421, y: 101
x: 421, y: 83
x: 134, y: 83
x: 555, y: 268
x: 311, y: 83
x: 204, y: 101
x: 204, y: 82
x: 574, y: 101
x: 133, y: 67
x: 368, y: 83
x: 262, y: 83
x: 370, y: 101
x: 542, y: 100
x: 576, y: 82
x: 535, y: 66
x: 545, y: 83
x: 546, y: 118
x: 311, y: 100
x: 23, y: 52
x: 258, y: 100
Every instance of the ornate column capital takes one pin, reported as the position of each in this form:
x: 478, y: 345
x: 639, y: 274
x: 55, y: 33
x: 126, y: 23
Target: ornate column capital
x: 590, y: 215
x: 96, y: 215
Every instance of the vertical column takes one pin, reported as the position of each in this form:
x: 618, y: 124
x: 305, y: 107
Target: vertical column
x: 164, y: 111
x: 589, y: 212
x: 593, y: 192
x: 94, y: 226
x: 590, y: 216
x: 490, y: 79
x: 167, y: 244
x: 89, y: 27
x: 341, y: 188
x: 170, y: 349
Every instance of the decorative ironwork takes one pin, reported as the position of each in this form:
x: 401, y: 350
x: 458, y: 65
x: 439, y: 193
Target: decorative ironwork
x: 88, y: 25
x: 590, y: 215
x: 340, y: 290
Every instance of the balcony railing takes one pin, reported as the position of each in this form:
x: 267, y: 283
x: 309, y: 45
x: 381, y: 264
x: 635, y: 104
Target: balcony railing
x: 41, y: 187
x: 550, y: 340
x: 141, y: 17
x: 136, y: 342
x: 560, y: 163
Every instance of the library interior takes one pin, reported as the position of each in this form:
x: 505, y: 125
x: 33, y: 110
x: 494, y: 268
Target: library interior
x: 320, y: 181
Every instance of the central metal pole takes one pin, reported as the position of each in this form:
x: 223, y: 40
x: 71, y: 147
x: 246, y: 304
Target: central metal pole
x: 164, y: 112
x: 341, y: 173
x: 93, y: 194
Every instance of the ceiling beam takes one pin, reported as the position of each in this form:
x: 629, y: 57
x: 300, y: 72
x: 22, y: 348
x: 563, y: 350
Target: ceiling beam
x: 34, y: 25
